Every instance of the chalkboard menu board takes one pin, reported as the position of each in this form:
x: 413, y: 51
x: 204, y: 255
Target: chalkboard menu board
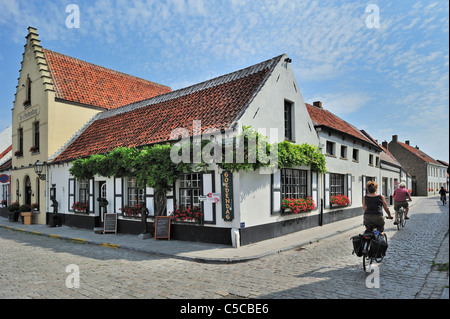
x: 162, y: 227
x: 110, y: 223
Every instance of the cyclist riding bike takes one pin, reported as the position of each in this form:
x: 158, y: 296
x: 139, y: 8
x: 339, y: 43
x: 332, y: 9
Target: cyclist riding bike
x: 443, y: 193
x: 373, y: 205
x: 401, y: 195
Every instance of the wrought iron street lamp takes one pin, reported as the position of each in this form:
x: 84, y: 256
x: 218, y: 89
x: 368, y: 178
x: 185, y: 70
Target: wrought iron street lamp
x: 38, y: 169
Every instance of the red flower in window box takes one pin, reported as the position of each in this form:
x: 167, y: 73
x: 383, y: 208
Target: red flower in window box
x: 80, y: 207
x: 339, y: 200
x: 297, y: 205
x: 188, y: 214
x: 34, y: 149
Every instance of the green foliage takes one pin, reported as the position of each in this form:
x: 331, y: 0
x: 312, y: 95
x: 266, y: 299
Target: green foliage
x: 290, y: 155
x: 152, y: 165
x: 250, y: 151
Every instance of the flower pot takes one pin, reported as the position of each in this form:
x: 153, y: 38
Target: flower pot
x: 13, y: 216
x: 27, y: 217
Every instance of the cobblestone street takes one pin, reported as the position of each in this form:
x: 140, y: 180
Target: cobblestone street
x: 35, y: 267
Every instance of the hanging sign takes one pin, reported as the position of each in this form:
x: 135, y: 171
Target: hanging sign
x: 227, y: 196
x: 210, y: 198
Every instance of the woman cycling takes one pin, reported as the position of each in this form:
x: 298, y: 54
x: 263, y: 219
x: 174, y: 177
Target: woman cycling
x: 373, y: 205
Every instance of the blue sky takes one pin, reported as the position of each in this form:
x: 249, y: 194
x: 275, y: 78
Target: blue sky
x: 388, y: 80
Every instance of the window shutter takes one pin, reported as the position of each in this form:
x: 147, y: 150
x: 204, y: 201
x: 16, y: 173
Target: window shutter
x: 364, y: 185
x: 276, y: 192
x: 327, y: 190
x: 349, y: 187
x: 71, y: 193
x: 208, y: 207
x: 118, y: 195
x: 149, y: 200
x: 91, y: 196
x: 314, y: 188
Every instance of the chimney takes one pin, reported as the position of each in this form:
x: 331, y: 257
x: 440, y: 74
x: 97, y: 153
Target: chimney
x: 385, y: 144
x: 417, y: 147
x: 407, y: 142
x: 318, y: 104
x: 395, y: 138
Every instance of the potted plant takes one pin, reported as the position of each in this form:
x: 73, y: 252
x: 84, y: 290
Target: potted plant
x: 13, y: 212
x: 4, y: 203
x: 188, y: 215
x: 133, y: 211
x: 34, y: 207
x: 18, y: 153
x: 339, y: 200
x: 25, y: 212
x: 34, y: 149
x: 80, y: 207
x: 297, y: 205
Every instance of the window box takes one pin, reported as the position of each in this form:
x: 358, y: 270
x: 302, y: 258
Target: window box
x: 34, y: 149
x: 81, y: 207
x: 18, y: 153
x: 339, y: 201
x: 132, y: 211
x: 187, y: 215
x: 296, y: 206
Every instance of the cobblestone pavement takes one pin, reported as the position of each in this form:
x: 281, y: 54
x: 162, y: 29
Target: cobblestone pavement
x: 35, y: 267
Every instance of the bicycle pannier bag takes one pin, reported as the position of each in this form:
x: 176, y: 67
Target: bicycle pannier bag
x: 357, y: 245
x: 377, y: 247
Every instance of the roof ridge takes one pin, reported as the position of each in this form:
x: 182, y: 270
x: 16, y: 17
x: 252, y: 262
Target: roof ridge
x: 105, y: 68
x: 193, y: 88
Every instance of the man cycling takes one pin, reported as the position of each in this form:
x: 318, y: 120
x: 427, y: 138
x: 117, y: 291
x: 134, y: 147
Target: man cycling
x: 443, y: 192
x: 401, y: 194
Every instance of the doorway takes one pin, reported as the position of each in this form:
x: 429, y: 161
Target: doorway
x: 27, y: 191
x: 102, y: 201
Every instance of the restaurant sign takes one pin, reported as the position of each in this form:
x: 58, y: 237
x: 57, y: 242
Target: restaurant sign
x: 227, y: 196
x: 28, y: 114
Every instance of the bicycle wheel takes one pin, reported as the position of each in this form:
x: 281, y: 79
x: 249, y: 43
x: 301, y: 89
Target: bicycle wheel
x: 366, y: 258
x: 399, y: 213
x: 403, y: 220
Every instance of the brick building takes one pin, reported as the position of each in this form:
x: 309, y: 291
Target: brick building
x: 427, y: 174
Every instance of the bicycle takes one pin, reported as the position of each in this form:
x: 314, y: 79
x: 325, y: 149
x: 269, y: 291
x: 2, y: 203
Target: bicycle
x: 401, y: 221
x: 371, y: 245
x: 443, y: 199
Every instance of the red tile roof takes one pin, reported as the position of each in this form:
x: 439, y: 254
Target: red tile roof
x: 217, y: 103
x: 419, y: 153
x: 82, y: 82
x: 327, y: 120
x: 8, y: 149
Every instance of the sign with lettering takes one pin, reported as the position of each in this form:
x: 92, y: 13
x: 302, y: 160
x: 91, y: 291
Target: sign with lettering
x: 227, y: 196
x: 28, y: 114
x: 210, y: 198
x: 162, y: 227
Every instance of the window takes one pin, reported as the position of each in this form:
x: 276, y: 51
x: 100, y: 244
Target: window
x: 293, y: 183
x: 83, y: 190
x: 28, y: 93
x: 288, y: 132
x: 371, y: 159
x: 20, y: 141
x: 36, y: 136
x: 135, y: 194
x: 377, y: 161
x: 190, y: 190
x: 355, y: 155
x: 330, y: 148
x: 337, y: 184
x: 343, y: 151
